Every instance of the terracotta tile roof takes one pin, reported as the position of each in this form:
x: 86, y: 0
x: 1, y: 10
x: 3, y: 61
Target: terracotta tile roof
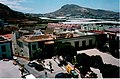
x: 49, y: 42
x: 33, y: 38
x: 113, y: 30
x: 8, y: 36
x: 97, y: 31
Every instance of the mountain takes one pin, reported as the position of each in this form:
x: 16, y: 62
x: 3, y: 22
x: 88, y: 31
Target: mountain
x: 82, y: 12
x: 67, y: 10
x: 6, y: 13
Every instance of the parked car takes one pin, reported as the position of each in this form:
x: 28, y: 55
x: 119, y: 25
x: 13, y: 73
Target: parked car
x: 32, y: 64
x: 39, y: 67
x: 63, y: 75
x: 74, y: 74
x: 30, y: 76
x: 15, y: 58
x: 47, y: 67
x: 6, y: 59
x: 60, y: 75
x: 14, y: 62
x: 67, y: 75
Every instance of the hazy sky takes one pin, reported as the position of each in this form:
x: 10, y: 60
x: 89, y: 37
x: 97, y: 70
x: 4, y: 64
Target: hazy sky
x: 45, y: 6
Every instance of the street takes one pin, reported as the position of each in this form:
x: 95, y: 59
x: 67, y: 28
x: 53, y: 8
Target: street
x: 9, y: 70
x: 41, y: 74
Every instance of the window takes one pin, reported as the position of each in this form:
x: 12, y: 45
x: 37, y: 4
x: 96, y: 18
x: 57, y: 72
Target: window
x: 84, y: 43
x: 76, y: 44
x: 3, y: 48
x: 90, y: 42
x: 17, y: 42
x: 85, y: 28
x: 20, y: 44
x: 34, y: 47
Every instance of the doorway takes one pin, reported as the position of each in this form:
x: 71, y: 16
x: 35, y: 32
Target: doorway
x: 4, y: 56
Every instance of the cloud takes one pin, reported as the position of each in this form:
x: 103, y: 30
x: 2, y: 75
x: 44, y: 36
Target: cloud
x: 16, y: 5
x: 21, y: 8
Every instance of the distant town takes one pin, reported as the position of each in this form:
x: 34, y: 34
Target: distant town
x: 59, y: 46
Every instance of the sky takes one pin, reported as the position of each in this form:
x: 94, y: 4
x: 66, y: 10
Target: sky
x: 46, y: 6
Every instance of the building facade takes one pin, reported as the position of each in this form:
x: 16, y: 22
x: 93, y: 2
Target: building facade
x: 27, y: 45
x: 81, y: 42
x: 5, y: 49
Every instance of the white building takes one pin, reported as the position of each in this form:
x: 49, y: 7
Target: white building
x: 86, y: 25
x: 28, y: 44
x: 81, y: 40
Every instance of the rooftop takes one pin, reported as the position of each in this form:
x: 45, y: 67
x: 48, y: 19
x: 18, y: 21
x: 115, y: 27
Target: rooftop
x: 98, y: 22
x: 30, y: 29
x: 4, y: 38
x: 51, y: 37
x: 71, y: 33
x: 115, y: 30
x: 8, y: 36
x: 34, y: 38
x: 97, y: 31
x: 62, y: 25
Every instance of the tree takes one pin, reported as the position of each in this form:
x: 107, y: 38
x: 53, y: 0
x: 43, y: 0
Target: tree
x: 114, y: 45
x: 83, y: 70
x: 93, y: 75
x: 58, y: 49
x: 95, y: 61
x: 69, y: 52
x: 39, y: 53
x: 66, y: 50
x: 83, y: 59
x: 101, y: 40
x: 110, y: 71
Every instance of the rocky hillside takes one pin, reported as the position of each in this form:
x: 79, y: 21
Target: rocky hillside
x: 7, y: 13
x: 78, y: 11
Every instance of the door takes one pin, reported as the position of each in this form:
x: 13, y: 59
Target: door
x: 90, y: 42
x: 4, y: 56
x: 77, y: 44
x: 84, y: 43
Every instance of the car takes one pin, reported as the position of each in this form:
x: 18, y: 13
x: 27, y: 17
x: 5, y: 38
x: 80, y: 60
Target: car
x: 30, y: 76
x: 47, y: 67
x: 6, y: 59
x: 32, y: 64
x: 14, y: 62
x: 15, y: 58
x: 67, y: 75
x: 39, y: 67
x: 60, y: 75
x: 74, y: 74
x: 60, y: 65
x: 63, y: 62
